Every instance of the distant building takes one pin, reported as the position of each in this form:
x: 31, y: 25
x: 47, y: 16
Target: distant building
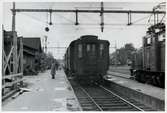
x: 31, y: 47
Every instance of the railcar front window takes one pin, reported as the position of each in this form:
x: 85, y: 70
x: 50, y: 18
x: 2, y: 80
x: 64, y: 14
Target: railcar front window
x: 101, y: 49
x: 93, y: 49
x: 88, y: 47
x: 80, y: 50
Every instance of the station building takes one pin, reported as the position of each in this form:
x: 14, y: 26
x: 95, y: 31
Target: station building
x: 31, y: 47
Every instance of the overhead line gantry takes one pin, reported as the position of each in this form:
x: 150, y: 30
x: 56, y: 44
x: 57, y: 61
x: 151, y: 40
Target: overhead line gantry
x: 100, y: 11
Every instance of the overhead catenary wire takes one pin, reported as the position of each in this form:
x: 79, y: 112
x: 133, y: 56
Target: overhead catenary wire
x: 138, y: 20
x: 88, y: 25
x: 34, y: 18
x: 69, y: 20
x: 47, y: 17
x: 82, y: 24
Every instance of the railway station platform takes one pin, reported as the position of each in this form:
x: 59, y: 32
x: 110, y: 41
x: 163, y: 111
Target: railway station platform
x: 44, y: 94
x: 147, y: 94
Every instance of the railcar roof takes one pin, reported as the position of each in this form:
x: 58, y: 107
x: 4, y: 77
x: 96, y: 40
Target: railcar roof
x: 88, y: 37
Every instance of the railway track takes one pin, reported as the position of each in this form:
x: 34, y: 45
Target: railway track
x: 120, y: 75
x: 99, y: 98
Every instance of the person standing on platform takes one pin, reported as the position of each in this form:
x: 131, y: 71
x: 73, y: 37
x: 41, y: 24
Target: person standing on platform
x: 53, y: 69
x: 57, y: 66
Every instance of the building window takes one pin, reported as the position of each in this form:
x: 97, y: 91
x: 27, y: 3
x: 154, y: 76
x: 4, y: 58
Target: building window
x: 80, y: 50
x: 101, y: 49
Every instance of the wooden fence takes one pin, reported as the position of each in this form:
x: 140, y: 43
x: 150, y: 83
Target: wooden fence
x: 12, y: 64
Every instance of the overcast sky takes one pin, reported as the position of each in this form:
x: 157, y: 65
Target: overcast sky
x: 63, y: 31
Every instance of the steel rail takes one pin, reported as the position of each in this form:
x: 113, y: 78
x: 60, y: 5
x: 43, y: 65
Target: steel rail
x: 91, y: 99
x: 119, y: 75
x: 89, y: 11
x: 121, y: 98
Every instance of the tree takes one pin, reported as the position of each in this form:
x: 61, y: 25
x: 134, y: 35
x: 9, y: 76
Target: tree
x: 124, y: 54
x: 50, y: 59
x: 43, y: 61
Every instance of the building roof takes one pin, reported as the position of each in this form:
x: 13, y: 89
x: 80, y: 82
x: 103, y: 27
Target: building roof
x: 34, y: 43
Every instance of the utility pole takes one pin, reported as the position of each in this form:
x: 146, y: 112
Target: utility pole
x: 102, y: 17
x: 46, y: 44
x: 115, y: 54
x: 76, y: 18
x: 14, y: 39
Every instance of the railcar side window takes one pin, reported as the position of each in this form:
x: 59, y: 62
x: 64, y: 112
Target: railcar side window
x: 80, y: 50
x: 101, y: 49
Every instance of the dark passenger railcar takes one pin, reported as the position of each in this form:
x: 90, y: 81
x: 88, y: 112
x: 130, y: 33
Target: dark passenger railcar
x: 88, y: 58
